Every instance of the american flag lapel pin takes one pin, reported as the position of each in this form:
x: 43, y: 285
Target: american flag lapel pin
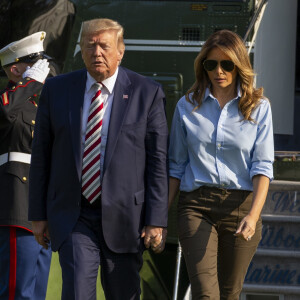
x: 125, y: 96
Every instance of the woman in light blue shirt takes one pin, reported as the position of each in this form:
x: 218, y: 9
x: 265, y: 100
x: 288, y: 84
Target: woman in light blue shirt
x: 221, y: 155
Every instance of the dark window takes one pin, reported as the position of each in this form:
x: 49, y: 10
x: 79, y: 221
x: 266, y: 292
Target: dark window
x: 190, y: 34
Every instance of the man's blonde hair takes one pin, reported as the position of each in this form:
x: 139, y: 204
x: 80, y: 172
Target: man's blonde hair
x: 97, y: 25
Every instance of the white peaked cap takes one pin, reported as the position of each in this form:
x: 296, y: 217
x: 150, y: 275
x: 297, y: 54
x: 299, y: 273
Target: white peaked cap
x: 22, y: 48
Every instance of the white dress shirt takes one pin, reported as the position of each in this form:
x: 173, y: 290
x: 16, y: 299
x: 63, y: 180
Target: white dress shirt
x: 107, y: 95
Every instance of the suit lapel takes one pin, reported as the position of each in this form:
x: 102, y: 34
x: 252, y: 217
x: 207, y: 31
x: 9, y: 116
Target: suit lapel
x: 76, y: 98
x: 122, y: 95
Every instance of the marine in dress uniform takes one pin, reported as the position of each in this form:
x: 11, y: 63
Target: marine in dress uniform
x: 24, y: 264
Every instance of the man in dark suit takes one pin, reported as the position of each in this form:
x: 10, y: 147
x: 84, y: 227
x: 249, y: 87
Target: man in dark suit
x: 98, y: 178
x: 24, y: 265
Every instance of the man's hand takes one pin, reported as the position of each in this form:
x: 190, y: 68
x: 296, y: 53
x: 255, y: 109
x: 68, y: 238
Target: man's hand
x: 41, y: 233
x: 161, y: 246
x: 38, y: 71
x: 154, y: 237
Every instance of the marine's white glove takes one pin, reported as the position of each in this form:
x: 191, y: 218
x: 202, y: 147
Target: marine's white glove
x: 38, y: 71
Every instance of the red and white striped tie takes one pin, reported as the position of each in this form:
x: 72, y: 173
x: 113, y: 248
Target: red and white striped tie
x: 91, y: 187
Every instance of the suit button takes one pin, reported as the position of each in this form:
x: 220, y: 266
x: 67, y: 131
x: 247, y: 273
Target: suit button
x: 24, y: 178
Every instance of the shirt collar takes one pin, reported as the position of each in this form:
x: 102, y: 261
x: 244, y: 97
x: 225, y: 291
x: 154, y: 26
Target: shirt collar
x: 208, y: 94
x: 109, y: 83
x: 239, y: 93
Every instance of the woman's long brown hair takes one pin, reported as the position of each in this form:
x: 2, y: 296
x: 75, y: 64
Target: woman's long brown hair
x: 232, y: 45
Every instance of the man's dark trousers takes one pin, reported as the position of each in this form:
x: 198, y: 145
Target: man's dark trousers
x: 81, y: 254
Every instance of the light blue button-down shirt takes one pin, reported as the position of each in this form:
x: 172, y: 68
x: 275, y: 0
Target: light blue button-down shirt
x: 216, y: 147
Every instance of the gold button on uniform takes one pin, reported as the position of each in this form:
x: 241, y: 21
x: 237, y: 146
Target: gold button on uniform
x: 24, y: 178
x: 33, y: 122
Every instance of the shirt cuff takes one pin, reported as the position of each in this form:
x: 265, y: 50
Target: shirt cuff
x: 262, y: 168
x: 175, y: 171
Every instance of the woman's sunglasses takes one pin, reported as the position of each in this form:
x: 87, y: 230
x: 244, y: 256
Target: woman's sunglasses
x: 226, y: 65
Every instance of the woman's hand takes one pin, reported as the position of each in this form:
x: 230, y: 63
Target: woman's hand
x: 161, y: 246
x: 246, y: 228
x: 154, y: 237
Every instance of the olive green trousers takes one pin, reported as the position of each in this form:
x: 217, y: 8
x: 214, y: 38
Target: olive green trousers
x: 216, y: 260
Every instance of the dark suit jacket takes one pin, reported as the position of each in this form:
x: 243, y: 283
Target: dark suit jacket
x: 134, y: 185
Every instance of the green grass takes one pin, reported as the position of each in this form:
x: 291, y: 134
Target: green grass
x: 55, y: 281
